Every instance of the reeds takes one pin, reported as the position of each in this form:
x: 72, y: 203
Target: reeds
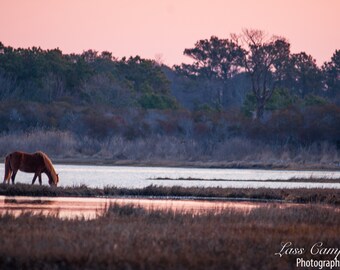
x: 168, y: 150
x: 129, y: 237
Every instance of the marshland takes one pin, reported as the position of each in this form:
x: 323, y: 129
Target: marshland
x: 299, y: 195
x: 131, y: 237
x: 241, y: 228
x: 228, y: 159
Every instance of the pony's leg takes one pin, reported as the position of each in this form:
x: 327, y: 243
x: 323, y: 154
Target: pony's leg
x: 13, y: 176
x: 40, y: 182
x: 6, y: 180
x: 8, y: 170
x: 34, y: 178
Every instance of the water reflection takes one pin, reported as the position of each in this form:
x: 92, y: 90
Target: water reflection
x: 90, y: 208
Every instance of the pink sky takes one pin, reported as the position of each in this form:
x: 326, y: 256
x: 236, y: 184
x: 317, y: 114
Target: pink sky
x: 166, y: 27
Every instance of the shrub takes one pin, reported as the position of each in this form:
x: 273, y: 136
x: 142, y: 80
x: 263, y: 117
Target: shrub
x: 157, y: 101
x: 281, y: 99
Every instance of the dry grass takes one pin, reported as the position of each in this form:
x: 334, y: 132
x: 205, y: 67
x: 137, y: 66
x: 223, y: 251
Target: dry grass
x: 129, y: 237
x: 56, y: 143
x: 298, y: 195
x: 291, y: 180
x: 171, y: 150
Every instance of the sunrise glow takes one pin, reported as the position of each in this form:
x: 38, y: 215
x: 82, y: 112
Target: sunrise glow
x: 163, y: 29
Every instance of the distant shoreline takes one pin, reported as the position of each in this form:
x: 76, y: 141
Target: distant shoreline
x: 198, y: 164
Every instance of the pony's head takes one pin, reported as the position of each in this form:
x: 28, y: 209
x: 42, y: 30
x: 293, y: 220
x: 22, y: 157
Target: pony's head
x: 53, y: 177
x: 54, y: 180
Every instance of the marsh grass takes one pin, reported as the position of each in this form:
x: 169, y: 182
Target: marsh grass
x: 291, y: 180
x: 129, y: 237
x: 133, y: 147
x: 297, y: 195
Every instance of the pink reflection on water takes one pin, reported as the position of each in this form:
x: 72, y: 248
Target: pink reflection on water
x: 89, y: 208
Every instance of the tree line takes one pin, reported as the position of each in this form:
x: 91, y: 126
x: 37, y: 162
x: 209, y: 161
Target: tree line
x: 91, y: 77
x: 267, y: 62
x: 228, y: 81
x: 243, y: 99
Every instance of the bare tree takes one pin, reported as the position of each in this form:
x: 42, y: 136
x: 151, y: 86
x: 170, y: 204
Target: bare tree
x: 264, y: 60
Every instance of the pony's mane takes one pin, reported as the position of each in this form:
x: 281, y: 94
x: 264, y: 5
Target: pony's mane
x: 48, y: 163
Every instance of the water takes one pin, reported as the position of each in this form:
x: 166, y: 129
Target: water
x: 138, y: 177
x: 90, y: 208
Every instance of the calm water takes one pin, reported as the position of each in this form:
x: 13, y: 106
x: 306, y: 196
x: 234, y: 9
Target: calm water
x: 90, y: 208
x: 137, y: 177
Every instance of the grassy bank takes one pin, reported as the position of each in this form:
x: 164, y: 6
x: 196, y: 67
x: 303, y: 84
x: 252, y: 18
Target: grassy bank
x: 128, y: 237
x: 299, y: 195
x: 291, y: 180
x: 68, y: 147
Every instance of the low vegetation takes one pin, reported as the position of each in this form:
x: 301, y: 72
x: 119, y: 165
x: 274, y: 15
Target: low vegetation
x: 291, y: 180
x: 128, y: 237
x: 300, y: 195
x: 172, y: 150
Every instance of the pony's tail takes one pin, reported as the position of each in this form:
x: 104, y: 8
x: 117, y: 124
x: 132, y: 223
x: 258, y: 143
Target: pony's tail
x: 8, y: 169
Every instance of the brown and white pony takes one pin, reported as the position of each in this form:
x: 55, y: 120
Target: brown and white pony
x: 36, y: 163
